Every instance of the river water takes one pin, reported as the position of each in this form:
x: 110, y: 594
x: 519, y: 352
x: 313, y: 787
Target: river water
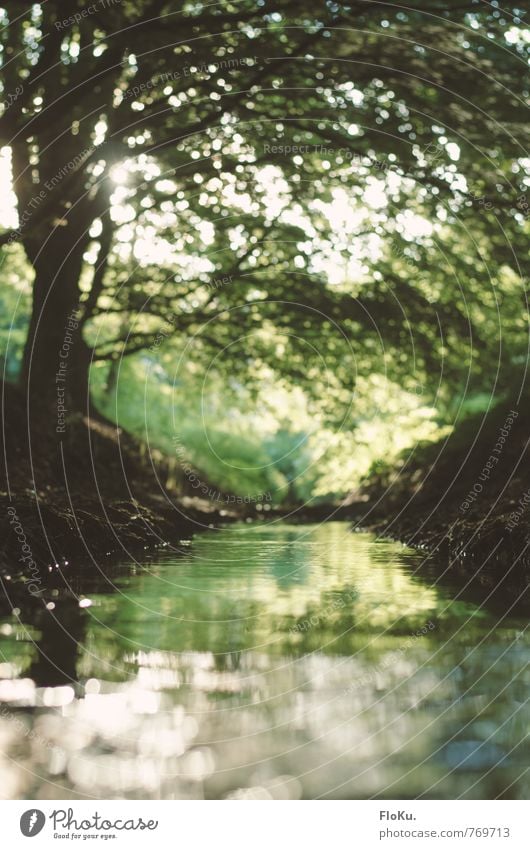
x: 265, y: 661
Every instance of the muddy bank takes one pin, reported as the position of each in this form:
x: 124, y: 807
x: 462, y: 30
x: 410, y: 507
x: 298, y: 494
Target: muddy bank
x: 92, y: 495
x: 467, y: 496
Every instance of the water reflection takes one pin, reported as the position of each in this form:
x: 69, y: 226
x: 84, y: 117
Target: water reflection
x: 268, y: 662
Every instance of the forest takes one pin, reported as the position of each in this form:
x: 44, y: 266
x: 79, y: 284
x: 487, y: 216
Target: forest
x: 278, y: 269
x: 263, y: 263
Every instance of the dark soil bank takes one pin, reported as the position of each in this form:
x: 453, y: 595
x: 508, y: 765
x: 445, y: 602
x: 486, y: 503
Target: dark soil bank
x: 90, y: 493
x: 467, y: 496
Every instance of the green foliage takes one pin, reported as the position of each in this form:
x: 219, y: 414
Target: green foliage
x: 180, y: 148
x: 271, y: 443
x: 322, y: 197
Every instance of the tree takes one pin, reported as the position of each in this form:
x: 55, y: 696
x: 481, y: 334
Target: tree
x: 194, y: 106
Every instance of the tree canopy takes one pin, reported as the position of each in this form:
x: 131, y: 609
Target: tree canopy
x: 327, y: 191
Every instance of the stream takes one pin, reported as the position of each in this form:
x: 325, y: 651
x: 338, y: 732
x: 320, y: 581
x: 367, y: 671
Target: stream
x: 265, y: 661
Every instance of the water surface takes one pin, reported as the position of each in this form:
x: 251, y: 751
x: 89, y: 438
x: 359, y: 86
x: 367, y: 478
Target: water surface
x: 270, y: 662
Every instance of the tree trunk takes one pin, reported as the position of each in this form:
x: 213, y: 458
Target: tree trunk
x: 56, y: 359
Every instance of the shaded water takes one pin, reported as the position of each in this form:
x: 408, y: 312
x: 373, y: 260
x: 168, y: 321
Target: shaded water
x: 265, y: 661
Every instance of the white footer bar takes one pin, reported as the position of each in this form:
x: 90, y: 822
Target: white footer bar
x: 257, y: 825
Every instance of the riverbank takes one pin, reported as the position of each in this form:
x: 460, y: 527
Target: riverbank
x: 90, y: 493
x: 466, y: 497
x: 97, y: 493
